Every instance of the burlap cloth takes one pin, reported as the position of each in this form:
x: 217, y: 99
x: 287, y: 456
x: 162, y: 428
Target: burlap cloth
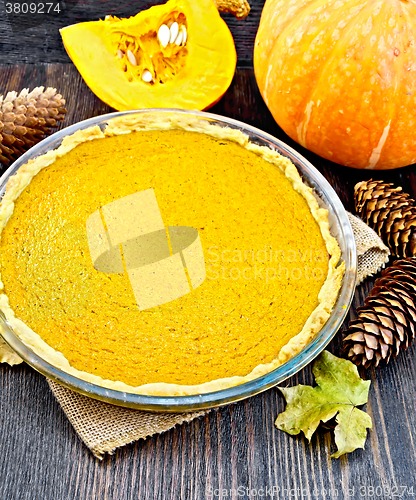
x: 104, y: 427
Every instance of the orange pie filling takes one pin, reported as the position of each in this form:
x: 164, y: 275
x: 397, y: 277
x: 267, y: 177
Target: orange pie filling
x: 270, y: 273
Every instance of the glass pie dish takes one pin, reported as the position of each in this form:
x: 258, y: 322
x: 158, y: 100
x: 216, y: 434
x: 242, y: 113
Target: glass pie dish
x: 340, y: 229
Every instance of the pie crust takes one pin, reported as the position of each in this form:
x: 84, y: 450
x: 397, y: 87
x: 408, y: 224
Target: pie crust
x: 146, y: 122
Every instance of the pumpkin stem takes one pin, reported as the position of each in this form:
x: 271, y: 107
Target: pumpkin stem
x: 240, y: 8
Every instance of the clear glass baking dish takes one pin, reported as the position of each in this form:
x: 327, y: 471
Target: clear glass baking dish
x: 340, y: 229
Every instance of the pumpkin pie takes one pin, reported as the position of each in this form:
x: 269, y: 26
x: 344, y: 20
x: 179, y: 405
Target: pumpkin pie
x: 167, y: 256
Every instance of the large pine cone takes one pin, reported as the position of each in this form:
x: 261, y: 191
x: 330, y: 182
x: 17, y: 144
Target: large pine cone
x: 26, y: 118
x: 387, y: 321
x: 390, y: 212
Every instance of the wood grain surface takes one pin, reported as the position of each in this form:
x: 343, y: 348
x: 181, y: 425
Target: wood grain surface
x: 235, y: 451
x: 35, y: 38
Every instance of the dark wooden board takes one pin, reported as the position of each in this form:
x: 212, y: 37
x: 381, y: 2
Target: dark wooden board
x: 234, y: 447
x: 31, y: 39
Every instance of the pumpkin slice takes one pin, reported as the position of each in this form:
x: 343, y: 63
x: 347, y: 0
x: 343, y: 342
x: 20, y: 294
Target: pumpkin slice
x: 178, y: 55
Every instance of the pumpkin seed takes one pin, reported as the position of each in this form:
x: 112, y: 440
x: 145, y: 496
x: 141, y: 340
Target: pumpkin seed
x: 131, y: 57
x: 147, y: 76
x: 184, y: 34
x: 174, y: 30
x: 120, y: 54
x: 178, y: 40
x: 164, y: 35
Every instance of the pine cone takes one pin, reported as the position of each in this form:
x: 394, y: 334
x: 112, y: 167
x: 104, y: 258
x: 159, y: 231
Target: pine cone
x: 387, y: 321
x: 26, y: 118
x: 390, y: 212
x: 240, y: 8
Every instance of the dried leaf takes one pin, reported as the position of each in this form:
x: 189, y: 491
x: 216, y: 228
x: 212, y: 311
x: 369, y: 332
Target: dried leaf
x: 339, y: 391
x: 7, y: 355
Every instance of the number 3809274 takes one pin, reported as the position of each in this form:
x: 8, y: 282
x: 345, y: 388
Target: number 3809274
x: 32, y: 8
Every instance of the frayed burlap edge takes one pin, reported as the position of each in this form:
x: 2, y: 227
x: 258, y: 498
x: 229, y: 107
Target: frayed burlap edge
x: 372, y: 253
x: 104, y: 427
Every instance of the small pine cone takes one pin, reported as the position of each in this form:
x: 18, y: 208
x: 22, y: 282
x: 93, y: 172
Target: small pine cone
x: 26, y: 118
x: 387, y: 321
x: 390, y: 212
x: 240, y: 8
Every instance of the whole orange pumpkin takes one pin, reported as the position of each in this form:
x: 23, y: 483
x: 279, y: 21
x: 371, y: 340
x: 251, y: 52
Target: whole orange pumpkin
x: 339, y: 77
